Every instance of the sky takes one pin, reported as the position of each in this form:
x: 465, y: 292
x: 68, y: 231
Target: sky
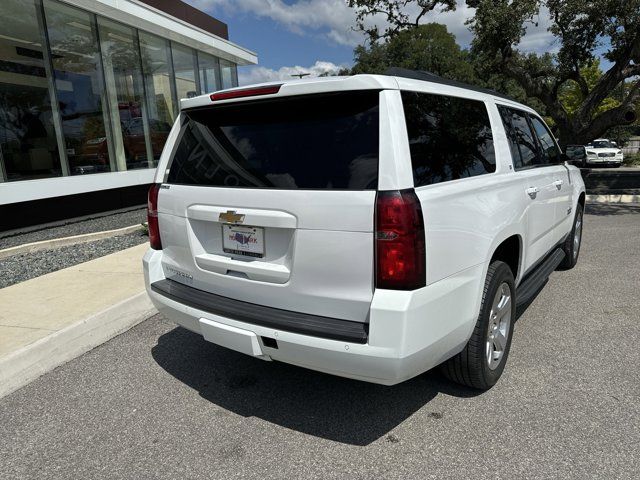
x: 317, y: 36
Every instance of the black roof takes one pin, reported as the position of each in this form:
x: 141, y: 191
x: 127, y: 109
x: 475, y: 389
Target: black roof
x: 433, y: 78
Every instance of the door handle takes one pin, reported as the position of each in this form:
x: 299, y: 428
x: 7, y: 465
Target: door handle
x: 558, y: 184
x: 532, y: 192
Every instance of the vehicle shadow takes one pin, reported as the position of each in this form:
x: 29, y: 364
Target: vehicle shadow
x: 326, y: 406
x: 606, y: 209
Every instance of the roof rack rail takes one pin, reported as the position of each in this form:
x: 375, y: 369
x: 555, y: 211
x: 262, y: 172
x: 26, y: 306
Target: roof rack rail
x: 433, y: 78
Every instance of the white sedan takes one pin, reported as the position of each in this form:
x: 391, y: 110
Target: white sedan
x: 603, y: 152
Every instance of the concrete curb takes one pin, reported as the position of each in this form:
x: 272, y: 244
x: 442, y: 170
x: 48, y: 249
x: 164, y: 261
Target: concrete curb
x: 21, y: 367
x: 63, y: 242
x: 614, y: 198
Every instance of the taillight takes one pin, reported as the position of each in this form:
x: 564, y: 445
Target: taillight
x: 152, y: 217
x: 400, y: 242
x: 245, y: 92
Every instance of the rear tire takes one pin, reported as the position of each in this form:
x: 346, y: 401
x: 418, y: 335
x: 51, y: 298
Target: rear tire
x: 482, y: 361
x: 571, y: 245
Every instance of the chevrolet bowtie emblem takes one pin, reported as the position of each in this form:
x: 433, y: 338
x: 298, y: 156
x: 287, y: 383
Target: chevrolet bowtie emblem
x: 230, y: 216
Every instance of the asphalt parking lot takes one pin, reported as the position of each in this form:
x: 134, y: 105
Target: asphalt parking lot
x: 160, y: 402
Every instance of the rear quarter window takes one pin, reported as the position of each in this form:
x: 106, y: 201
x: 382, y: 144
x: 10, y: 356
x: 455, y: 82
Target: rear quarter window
x: 327, y: 141
x: 449, y: 137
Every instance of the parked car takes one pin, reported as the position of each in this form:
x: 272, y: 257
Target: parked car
x: 93, y: 154
x: 604, y: 152
x: 134, y: 140
x: 576, y: 155
x: 372, y: 227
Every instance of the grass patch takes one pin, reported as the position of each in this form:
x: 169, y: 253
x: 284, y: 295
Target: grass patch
x: 631, y: 159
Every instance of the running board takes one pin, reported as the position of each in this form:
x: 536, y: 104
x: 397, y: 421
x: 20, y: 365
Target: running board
x: 534, y: 280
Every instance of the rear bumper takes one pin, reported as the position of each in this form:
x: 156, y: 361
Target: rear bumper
x: 274, y: 318
x: 408, y: 332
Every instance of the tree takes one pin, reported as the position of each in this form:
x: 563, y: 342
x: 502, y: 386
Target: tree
x: 426, y: 47
x: 395, y: 13
x: 572, y: 97
x: 582, y: 29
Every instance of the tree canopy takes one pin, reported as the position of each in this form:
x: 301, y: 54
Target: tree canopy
x: 426, y: 47
x: 566, y: 81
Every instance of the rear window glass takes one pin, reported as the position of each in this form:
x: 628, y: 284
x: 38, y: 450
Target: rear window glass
x: 308, y: 142
x: 449, y: 137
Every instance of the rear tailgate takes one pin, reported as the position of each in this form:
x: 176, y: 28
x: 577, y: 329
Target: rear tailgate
x: 272, y: 202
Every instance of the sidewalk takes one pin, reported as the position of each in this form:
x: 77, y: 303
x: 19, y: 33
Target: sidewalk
x: 48, y: 320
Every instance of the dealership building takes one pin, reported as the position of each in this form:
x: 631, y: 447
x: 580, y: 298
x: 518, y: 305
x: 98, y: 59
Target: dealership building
x: 88, y: 92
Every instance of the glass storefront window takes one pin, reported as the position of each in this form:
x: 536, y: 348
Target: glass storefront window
x: 125, y: 93
x: 184, y: 68
x: 229, y: 74
x: 161, y: 106
x: 209, y: 72
x: 27, y: 135
x: 78, y: 78
x: 80, y: 93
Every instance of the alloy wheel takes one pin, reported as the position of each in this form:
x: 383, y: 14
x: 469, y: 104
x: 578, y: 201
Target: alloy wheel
x: 577, y: 236
x: 499, y: 325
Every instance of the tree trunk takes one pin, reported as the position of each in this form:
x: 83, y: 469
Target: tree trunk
x: 573, y: 133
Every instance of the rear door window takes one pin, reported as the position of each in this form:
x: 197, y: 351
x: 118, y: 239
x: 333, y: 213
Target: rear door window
x: 327, y: 141
x: 449, y: 137
x: 524, y: 149
x: 549, y: 151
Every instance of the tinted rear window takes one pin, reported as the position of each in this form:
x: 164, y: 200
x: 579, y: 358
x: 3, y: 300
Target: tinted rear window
x: 308, y: 142
x: 449, y: 137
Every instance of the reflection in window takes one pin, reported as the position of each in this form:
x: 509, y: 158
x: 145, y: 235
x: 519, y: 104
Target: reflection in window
x: 549, y: 150
x: 184, y: 67
x: 161, y: 107
x: 229, y: 74
x: 125, y: 93
x: 27, y: 135
x: 209, y: 72
x: 449, y: 137
x: 76, y: 65
x: 575, y: 152
x: 521, y: 141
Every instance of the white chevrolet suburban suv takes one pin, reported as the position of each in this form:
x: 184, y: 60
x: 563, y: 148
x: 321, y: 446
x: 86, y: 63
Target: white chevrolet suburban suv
x: 372, y: 226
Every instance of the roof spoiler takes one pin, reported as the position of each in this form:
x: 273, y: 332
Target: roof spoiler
x: 433, y: 78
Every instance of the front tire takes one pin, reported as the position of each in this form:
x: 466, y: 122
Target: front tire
x: 482, y: 361
x: 571, y: 246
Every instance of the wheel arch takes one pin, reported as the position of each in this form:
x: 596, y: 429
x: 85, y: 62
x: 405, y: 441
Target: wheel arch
x: 509, y: 251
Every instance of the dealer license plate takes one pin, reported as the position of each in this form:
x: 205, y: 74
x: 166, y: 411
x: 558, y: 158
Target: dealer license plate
x: 243, y: 240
